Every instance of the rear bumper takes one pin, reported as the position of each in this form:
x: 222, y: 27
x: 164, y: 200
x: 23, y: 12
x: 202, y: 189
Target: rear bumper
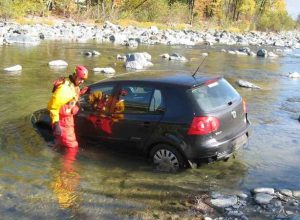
x: 214, y: 150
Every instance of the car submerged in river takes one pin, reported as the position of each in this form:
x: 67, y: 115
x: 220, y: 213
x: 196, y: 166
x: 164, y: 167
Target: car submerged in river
x: 177, y: 120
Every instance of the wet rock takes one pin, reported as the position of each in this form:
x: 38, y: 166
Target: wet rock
x: 138, y: 61
x: 262, y: 53
x: 165, y: 56
x: 224, y: 201
x: 270, y: 191
x: 15, y: 68
x: 286, y: 192
x: 131, y: 43
x: 247, y: 84
x: 294, y: 75
x: 262, y: 198
x: 58, y: 63
x: 107, y: 70
x: 119, y: 57
x: 177, y: 57
x: 294, y: 218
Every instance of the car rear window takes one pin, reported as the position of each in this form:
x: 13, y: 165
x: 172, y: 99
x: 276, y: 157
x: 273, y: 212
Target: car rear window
x: 214, y: 95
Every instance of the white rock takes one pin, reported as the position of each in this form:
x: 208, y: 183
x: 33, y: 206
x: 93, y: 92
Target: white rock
x: 224, y: 201
x: 272, y: 55
x: 165, y: 56
x: 96, y: 53
x: 119, y: 57
x: 270, y: 191
x: 231, y: 52
x: 263, y: 198
x: 107, y: 70
x: 296, y: 193
x: 246, y: 84
x: 58, y: 63
x: 294, y: 75
x: 15, y: 68
x: 204, y: 54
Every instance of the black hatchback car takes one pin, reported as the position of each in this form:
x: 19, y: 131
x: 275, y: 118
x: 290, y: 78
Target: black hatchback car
x: 177, y: 120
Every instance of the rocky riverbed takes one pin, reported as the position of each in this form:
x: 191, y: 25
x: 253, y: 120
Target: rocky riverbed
x: 11, y: 33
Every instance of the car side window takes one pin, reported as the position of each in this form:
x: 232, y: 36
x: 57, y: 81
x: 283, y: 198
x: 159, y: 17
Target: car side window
x: 134, y: 99
x: 98, y: 99
x: 156, y: 103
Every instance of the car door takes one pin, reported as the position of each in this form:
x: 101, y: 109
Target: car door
x: 136, y: 111
x: 93, y: 120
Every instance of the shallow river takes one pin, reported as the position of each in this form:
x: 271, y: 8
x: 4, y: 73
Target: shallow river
x: 38, y: 181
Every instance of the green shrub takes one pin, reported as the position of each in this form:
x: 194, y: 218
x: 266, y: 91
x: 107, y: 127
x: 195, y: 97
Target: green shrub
x: 274, y: 21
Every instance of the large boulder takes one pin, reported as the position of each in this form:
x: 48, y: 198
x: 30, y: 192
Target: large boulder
x: 138, y: 61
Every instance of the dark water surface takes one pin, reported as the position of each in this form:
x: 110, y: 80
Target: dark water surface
x: 38, y: 181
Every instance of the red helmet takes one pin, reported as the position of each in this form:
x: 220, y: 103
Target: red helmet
x: 81, y: 72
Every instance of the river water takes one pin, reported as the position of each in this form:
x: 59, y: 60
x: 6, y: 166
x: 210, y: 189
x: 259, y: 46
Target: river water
x: 38, y: 181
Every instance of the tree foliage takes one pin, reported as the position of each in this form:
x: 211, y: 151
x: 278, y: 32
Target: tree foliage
x: 263, y: 14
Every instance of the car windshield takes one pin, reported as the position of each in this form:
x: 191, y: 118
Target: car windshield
x: 214, y: 95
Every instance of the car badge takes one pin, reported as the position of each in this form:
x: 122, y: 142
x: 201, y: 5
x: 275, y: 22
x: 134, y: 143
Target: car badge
x: 233, y: 113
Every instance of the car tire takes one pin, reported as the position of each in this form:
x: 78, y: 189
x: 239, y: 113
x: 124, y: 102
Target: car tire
x: 167, y: 158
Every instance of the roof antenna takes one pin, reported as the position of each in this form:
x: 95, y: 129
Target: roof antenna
x: 199, y: 67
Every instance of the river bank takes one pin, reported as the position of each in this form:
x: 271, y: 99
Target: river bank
x: 131, y: 36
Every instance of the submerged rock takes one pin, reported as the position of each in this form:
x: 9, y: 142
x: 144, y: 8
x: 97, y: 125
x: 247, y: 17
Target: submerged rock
x: 247, y: 84
x: 178, y: 57
x: 58, y: 63
x: 107, y: 70
x: 224, y: 201
x: 15, y: 68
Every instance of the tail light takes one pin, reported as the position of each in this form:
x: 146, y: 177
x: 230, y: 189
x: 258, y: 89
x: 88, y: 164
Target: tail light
x: 244, y: 106
x: 204, y: 125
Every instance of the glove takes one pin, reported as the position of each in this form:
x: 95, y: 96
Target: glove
x: 84, y: 90
x: 56, y: 129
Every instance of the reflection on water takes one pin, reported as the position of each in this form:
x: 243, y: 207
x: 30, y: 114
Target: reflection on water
x: 37, y: 180
x: 67, y: 179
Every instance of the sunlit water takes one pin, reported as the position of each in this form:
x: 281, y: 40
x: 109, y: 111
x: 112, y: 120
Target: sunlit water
x: 38, y: 181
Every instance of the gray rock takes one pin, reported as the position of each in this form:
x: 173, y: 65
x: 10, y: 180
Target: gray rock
x: 247, y: 84
x: 138, y: 61
x: 286, y: 192
x: 224, y: 201
x: 262, y: 53
x: 263, y: 198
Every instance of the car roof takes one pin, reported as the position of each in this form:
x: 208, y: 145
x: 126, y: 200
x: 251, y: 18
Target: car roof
x: 183, y: 79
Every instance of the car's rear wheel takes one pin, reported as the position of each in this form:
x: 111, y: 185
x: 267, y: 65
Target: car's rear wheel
x: 167, y: 158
